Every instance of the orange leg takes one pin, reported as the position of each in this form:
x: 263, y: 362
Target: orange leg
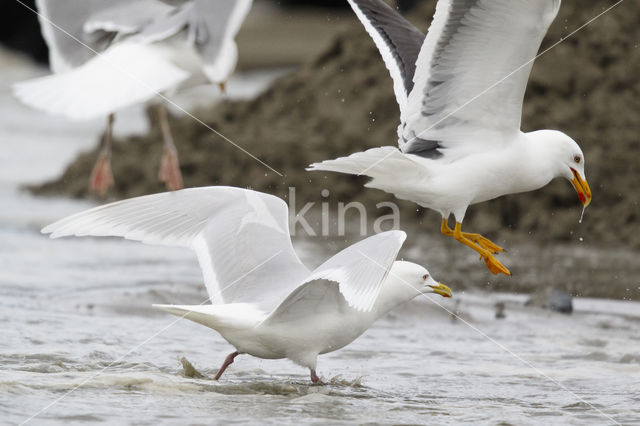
x: 227, y: 362
x: 487, y: 253
x: 169, y: 172
x: 315, y: 379
x: 444, y: 228
x: 101, y: 176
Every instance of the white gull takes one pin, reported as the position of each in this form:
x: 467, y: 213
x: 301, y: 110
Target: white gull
x: 110, y: 54
x: 264, y: 301
x: 460, y: 90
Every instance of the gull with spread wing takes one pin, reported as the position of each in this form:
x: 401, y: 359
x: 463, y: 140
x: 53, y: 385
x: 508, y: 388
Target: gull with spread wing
x: 264, y: 301
x: 110, y: 54
x: 460, y: 90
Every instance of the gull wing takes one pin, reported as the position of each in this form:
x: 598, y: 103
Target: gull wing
x: 217, y: 23
x: 75, y: 30
x: 473, y: 69
x: 398, y: 41
x: 125, y: 74
x: 241, y: 237
x: 162, y: 26
x: 62, y: 24
x: 126, y: 18
x: 352, y: 278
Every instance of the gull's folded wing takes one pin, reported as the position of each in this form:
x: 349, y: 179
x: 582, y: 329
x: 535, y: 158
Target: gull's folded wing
x: 241, y: 237
x: 472, y: 70
x: 397, y: 40
x: 352, y: 277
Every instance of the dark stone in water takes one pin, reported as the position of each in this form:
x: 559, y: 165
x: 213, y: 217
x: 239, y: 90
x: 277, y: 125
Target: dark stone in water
x: 552, y: 299
x: 561, y: 302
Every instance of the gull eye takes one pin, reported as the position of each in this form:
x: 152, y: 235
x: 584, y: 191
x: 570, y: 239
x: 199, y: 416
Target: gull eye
x: 425, y: 276
x: 577, y: 159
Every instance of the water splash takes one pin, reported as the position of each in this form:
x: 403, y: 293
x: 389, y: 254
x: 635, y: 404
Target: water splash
x: 582, y: 214
x: 189, y: 370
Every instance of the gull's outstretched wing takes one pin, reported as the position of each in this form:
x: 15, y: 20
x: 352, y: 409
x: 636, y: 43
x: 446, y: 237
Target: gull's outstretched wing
x: 74, y: 30
x: 473, y: 69
x: 397, y: 40
x: 125, y: 74
x: 217, y: 23
x: 241, y: 237
x: 351, y: 278
x: 62, y: 24
x: 126, y: 18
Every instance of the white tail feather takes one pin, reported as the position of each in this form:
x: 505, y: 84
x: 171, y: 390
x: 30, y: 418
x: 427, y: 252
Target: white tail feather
x: 385, y: 162
x: 218, y: 317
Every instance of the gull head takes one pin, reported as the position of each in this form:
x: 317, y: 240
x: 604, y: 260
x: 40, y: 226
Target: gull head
x: 413, y: 279
x: 568, y: 160
x: 573, y: 159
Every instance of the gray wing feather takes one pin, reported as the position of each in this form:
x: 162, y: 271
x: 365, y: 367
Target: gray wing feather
x: 473, y: 69
x: 127, y: 18
x: 438, y: 76
x: 62, y: 23
x: 167, y: 25
x: 214, y: 22
x: 175, y: 2
x: 75, y: 30
x: 402, y: 39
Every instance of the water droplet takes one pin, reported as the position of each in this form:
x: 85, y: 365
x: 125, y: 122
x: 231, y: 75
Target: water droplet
x: 581, y: 239
x: 582, y: 214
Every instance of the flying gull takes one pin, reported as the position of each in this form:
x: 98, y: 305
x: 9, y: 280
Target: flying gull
x: 460, y: 91
x: 265, y: 302
x: 110, y: 54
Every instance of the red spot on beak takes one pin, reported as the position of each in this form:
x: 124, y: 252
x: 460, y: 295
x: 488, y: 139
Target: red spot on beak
x: 583, y: 199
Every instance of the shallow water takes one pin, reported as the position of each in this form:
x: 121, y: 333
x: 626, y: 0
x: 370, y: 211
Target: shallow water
x: 80, y: 343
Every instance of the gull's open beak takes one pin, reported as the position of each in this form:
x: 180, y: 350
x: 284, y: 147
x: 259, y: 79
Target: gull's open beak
x: 442, y: 290
x: 582, y: 188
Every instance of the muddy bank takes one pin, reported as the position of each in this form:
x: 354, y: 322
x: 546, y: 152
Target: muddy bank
x: 342, y: 102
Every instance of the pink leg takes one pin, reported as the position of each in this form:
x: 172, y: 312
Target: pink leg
x: 101, y: 176
x: 169, y: 165
x: 227, y: 362
x: 315, y: 378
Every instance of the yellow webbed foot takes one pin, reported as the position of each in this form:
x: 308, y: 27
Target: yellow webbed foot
x: 481, y: 245
x: 495, y: 266
x: 483, y: 242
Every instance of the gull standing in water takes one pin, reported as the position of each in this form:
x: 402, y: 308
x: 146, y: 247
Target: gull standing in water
x: 460, y: 91
x: 265, y: 302
x: 110, y: 54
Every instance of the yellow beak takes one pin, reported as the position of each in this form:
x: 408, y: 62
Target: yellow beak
x: 223, y: 87
x: 582, y: 188
x: 442, y: 290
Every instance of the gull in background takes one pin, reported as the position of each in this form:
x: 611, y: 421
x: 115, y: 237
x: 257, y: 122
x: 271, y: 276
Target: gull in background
x: 460, y: 90
x: 110, y: 54
x: 265, y: 302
